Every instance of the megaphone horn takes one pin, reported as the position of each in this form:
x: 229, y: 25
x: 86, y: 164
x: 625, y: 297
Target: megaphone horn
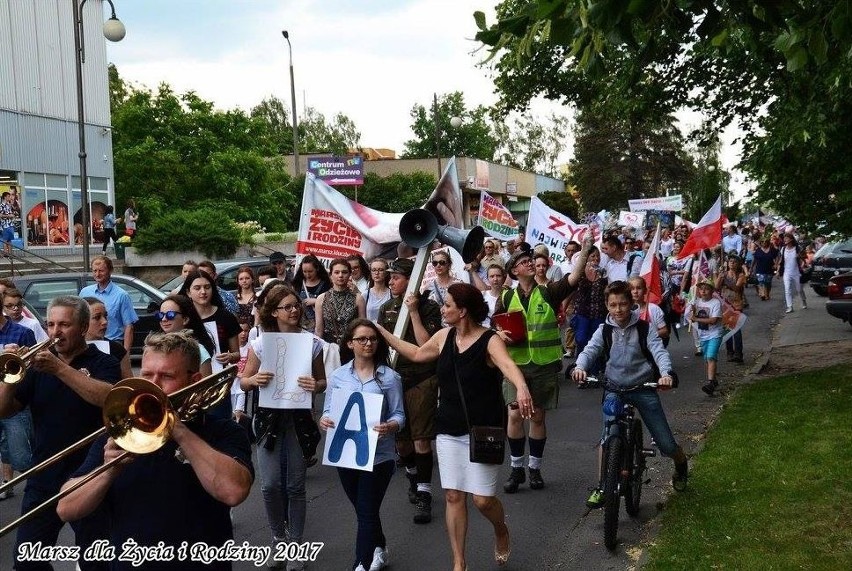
x: 467, y: 242
x: 418, y: 228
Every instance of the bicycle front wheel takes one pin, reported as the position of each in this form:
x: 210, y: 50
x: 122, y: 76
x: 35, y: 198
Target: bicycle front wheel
x: 612, y: 498
x: 633, y: 490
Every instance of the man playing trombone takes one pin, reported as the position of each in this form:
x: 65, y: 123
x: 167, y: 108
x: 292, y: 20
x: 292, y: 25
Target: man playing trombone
x: 178, y: 494
x: 65, y: 391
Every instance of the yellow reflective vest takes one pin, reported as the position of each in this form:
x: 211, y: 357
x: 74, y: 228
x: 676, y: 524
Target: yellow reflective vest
x: 543, y: 344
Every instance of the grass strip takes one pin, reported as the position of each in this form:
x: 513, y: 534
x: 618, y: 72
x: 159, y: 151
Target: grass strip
x: 772, y: 488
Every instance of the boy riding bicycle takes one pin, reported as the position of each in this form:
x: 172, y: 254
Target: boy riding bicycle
x: 630, y: 363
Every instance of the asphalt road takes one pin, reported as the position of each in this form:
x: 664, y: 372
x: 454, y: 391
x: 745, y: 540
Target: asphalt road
x: 550, y: 529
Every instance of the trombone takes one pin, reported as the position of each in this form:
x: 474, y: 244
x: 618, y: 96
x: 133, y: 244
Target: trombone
x: 14, y: 365
x: 140, y: 417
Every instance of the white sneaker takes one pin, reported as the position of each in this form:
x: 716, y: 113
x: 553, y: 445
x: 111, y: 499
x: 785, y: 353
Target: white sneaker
x: 380, y: 559
x: 789, y: 310
x: 360, y: 568
x: 804, y: 305
x: 6, y: 494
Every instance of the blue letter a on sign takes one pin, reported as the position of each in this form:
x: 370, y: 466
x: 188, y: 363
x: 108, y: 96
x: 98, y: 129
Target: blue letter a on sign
x: 359, y: 437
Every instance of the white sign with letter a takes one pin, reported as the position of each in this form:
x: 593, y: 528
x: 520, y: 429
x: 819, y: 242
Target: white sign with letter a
x: 288, y: 356
x: 352, y: 442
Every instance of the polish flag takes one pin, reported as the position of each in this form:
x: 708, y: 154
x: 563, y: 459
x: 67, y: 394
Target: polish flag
x: 650, y: 270
x: 707, y: 233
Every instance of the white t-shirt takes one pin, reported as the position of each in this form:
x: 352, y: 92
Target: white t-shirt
x: 655, y: 316
x: 711, y: 308
x: 791, y: 262
x: 666, y: 247
x: 616, y: 270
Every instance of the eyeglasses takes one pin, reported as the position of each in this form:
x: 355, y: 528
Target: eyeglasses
x: 13, y: 306
x: 437, y: 263
x: 525, y: 262
x: 168, y: 315
x: 365, y: 340
x: 353, y: 268
x: 288, y: 307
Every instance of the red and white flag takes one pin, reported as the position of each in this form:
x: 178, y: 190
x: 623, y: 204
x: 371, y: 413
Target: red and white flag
x: 707, y: 233
x: 650, y: 270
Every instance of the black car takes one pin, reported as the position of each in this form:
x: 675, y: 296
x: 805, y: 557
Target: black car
x: 226, y: 273
x: 38, y: 290
x: 839, y: 302
x: 831, y: 260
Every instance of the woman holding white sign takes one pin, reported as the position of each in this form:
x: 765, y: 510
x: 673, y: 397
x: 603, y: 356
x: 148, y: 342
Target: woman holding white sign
x: 473, y: 360
x: 284, y: 435
x: 369, y: 372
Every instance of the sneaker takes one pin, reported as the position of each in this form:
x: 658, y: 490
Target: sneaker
x: 804, y: 305
x: 380, y: 559
x: 680, y: 476
x: 596, y: 500
x: 789, y: 310
x: 536, y: 481
x: 360, y: 568
x: 6, y: 494
x: 737, y: 358
x: 516, y: 477
x: 710, y: 387
x: 698, y: 352
x: 412, y: 487
x: 423, y: 508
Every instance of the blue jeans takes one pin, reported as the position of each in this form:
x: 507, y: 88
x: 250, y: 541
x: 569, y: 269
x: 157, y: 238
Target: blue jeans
x: 16, y: 435
x: 282, y: 483
x: 647, y: 402
x: 366, y: 490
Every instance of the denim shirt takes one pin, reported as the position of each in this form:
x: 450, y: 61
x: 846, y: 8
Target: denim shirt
x: 385, y: 381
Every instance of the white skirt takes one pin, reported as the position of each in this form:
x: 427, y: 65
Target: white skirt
x: 459, y: 473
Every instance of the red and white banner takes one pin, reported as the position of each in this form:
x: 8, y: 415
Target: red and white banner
x: 650, y: 270
x: 333, y: 226
x: 496, y: 219
x: 707, y: 234
x: 554, y: 230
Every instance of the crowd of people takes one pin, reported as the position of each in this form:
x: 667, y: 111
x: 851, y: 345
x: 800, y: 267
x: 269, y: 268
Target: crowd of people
x: 454, y: 345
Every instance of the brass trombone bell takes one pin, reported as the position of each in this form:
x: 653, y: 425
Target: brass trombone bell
x: 140, y: 417
x: 14, y: 365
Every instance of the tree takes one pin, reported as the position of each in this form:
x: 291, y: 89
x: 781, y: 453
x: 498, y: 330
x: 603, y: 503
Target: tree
x: 316, y: 135
x: 533, y: 144
x: 472, y: 138
x: 278, y: 135
x: 779, y: 68
x: 561, y: 202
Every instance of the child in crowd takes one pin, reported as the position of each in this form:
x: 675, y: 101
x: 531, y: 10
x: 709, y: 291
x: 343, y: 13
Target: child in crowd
x: 628, y: 367
x: 706, y: 313
x: 649, y: 312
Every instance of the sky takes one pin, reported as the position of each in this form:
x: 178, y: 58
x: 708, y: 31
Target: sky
x: 370, y: 60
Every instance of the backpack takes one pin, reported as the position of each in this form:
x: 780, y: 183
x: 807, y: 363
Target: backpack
x: 642, y: 329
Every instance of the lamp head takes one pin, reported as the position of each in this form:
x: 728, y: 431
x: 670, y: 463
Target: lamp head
x: 285, y: 34
x: 455, y: 122
x: 114, y: 29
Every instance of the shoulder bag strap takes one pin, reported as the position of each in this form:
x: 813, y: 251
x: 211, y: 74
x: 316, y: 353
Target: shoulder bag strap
x: 458, y: 381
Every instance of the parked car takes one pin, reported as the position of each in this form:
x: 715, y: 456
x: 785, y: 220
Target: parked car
x: 226, y: 273
x: 38, y: 290
x: 839, y: 302
x: 831, y: 260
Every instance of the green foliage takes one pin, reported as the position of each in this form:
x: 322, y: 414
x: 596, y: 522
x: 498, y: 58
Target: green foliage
x: 533, y: 144
x: 336, y: 137
x: 473, y: 138
x: 207, y: 229
x: 561, y: 202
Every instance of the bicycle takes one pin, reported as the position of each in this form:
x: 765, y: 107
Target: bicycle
x: 624, y: 459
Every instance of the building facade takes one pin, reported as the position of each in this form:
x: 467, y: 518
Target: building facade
x: 39, y: 143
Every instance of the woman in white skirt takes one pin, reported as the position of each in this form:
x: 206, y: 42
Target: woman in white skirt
x: 473, y: 357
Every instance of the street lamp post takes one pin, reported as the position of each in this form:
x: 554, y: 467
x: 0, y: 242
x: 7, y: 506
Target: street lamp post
x: 114, y: 31
x: 293, y: 102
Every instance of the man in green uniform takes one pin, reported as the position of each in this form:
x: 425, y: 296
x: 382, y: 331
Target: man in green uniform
x: 414, y: 441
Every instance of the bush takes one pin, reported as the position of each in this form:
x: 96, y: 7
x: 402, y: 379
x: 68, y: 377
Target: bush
x: 207, y: 230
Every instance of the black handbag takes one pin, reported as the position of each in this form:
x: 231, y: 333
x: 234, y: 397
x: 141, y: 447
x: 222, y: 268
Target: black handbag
x: 487, y: 443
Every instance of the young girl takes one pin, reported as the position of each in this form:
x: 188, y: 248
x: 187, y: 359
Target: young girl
x: 706, y: 313
x: 97, y: 330
x: 731, y: 284
x: 649, y: 312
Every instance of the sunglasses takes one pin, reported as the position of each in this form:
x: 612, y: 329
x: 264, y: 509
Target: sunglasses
x: 437, y: 263
x: 168, y: 315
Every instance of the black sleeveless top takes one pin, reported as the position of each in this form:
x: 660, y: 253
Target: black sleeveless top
x: 482, y: 385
